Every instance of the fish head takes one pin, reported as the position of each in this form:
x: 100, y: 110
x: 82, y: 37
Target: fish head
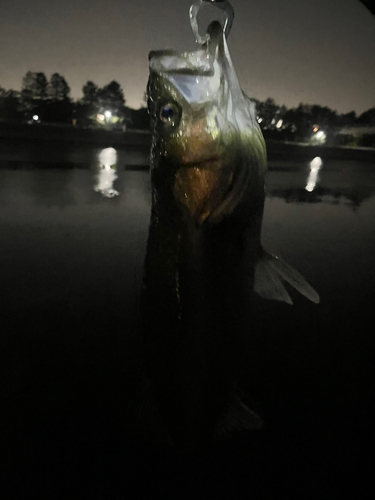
x: 207, y: 145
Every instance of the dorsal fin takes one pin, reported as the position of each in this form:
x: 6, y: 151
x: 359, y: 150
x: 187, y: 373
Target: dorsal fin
x: 271, y: 272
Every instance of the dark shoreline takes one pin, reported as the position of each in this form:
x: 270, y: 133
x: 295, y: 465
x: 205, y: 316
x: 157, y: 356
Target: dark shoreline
x: 142, y: 139
x: 69, y: 133
x: 280, y: 150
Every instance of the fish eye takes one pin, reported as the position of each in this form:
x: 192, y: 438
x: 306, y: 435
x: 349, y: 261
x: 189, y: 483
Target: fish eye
x: 169, y: 113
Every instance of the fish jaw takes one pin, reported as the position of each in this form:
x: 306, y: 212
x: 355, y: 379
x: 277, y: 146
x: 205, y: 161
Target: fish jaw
x: 208, y: 150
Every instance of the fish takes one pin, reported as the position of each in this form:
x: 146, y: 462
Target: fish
x: 204, y: 258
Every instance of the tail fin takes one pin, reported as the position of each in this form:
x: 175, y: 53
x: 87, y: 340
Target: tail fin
x: 271, y: 272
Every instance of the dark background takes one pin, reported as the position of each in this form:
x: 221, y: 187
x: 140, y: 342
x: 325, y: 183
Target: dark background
x: 71, y: 267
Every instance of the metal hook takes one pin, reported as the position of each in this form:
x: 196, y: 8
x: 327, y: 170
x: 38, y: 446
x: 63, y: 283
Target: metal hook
x: 221, y: 4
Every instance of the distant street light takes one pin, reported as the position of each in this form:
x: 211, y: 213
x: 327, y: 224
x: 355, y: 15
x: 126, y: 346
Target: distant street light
x: 35, y: 118
x: 318, y: 137
x: 107, y: 114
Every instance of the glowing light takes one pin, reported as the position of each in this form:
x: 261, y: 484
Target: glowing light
x: 318, y: 137
x: 35, y: 117
x: 315, y: 128
x: 107, y: 114
x: 315, y: 166
x: 100, y: 117
x: 260, y: 120
x: 279, y: 124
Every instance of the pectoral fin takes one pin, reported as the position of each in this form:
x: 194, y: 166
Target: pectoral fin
x: 270, y: 274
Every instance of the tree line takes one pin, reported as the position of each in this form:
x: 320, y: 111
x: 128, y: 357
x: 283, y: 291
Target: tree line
x: 301, y: 122
x: 50, y: 101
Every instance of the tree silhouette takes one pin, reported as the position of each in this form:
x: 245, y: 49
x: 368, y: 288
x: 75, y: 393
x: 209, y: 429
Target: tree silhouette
x: 34, y: 86
x: 90, y: 93
x: 9, y: 105
x: 58, y: 89
x: 367, y: 117
x: 346, y: 119
x: 268, y: 112
x: 323, y: 116
x: 111, y: 98
x: 33, y: 93
x: 97, y: 101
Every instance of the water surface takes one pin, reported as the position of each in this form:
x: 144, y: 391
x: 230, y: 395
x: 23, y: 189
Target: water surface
x: 73, y: 232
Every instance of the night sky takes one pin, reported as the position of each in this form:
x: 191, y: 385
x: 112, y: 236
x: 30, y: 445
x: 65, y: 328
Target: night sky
x: 317, y: 52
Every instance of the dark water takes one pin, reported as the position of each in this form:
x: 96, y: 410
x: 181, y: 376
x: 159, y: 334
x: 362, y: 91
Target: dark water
x: 73, y: 235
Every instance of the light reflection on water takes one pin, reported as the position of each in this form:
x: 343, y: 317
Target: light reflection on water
x: 315, y: 166
x: 61, y: 239
x: 56, y: 215
x: 68, y: 254
x: 107, y: 173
